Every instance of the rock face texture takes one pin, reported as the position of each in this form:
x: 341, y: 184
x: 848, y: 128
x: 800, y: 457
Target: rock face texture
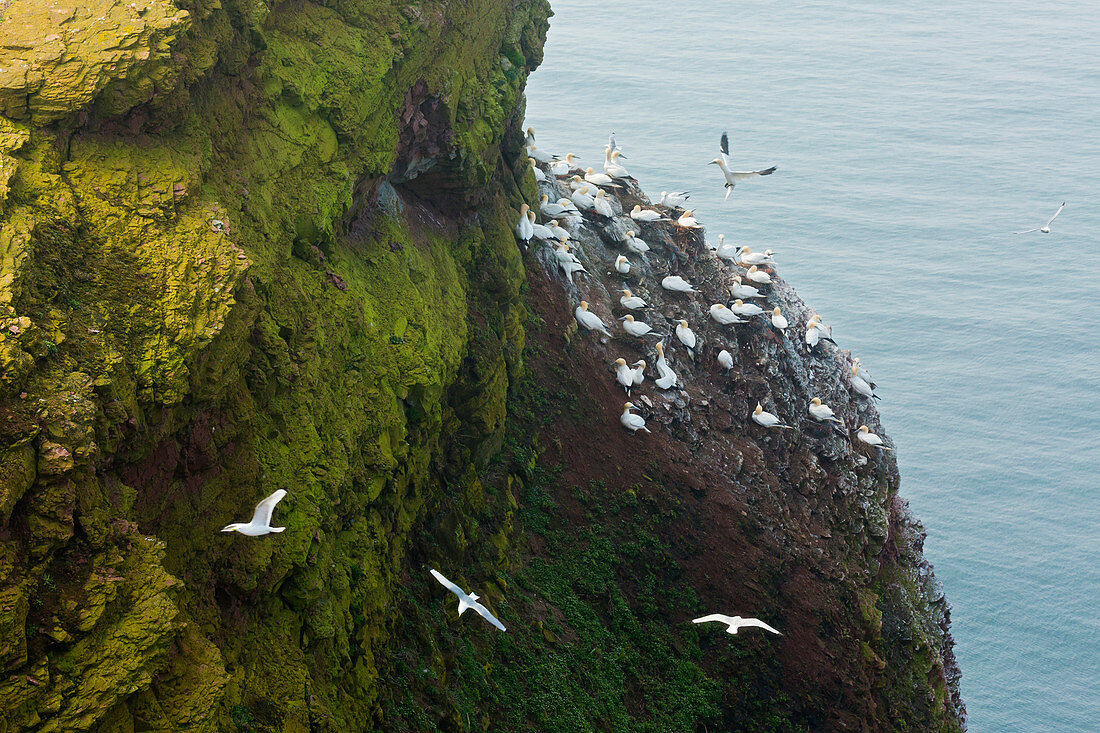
x: 260, y: 244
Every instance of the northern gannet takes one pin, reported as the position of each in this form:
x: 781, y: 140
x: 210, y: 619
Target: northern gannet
x: 599, y: 179
x: 562, y: 251
x: 766, y: 419
x: 687, y: 221
x: 668, y: 378
x: 624, y: 375
x: 639, y: 372
x: 742, y: 308
x: 589, y: 320
x: 677, y: 284
x: 724, y: 315
x: 733, y: 177
x: 859, y: 384
x: 529, y: 137
x: 558, y: 231
x: 622, y: 265
x: 630, y: 421
x: 261, y: 518
x: 685, y: 335
x: 612, y: 166
x: 540, y: 230
x: 562, y: 167
x: 602, y: 205
x: 726, y: 251
x: 758, y: 276
x: 674, y: 200
x: 1045, y: 229
x: 638, y: 329
x: 540, y: 177
x: 778, y: 320
x: 570, y: 267
x: 583, y: 199
x: 870, y: 438
x: 524, y: 230
x: 822, y: 412
x: 748, y: 257
x: 576, y: 183
x: 635, y: 244
x: 646, y: 215
x: 631, y: 301
x: 817, y: 331
x: 466, y: 602
x: 550, y: 208
x: 861, y: 371
x: 725, y: 360
x: 536, y: 153
x: 738, y: 290
x: 734, y: 622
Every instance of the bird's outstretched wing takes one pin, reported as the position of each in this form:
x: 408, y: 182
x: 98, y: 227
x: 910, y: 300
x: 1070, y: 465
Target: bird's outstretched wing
x: 1056, y: 213
x: 1029, y: 231
x: 758, y: 623
x: 724, y: 146
x: 447, y: 584
x: 265, y: 507
x: 713, y: 617
x: 484, y: 613
x: 742, y: 175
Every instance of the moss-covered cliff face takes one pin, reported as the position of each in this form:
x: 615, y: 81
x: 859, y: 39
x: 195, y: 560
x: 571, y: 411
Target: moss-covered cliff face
x: 260, y: 244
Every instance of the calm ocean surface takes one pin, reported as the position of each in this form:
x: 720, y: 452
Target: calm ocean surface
x: 912, y: 139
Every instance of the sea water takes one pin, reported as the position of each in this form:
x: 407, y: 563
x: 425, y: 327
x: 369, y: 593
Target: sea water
x: 912, y: 139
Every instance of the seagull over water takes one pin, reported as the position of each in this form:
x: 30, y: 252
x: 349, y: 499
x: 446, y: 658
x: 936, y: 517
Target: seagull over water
x: 466, y: 602
x: 261, y: 518
x: 734, y: 177
x: 735, y: 622
x: 1045, y: 228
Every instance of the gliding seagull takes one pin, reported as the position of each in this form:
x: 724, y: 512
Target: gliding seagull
x: 1045, y: 228
x: 261, y: 518
x: 735, y: 622
x: 467, y: 601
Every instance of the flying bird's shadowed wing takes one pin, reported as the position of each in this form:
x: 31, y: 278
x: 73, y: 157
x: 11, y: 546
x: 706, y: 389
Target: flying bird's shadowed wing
x: 267, y: 506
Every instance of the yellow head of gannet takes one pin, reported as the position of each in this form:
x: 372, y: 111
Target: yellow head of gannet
x: 864, y: 429
x: 739, y: 302
x: 776, y: 311
x: 584, y: 305
x: 620, y: 362
x: 660, y: 348
x: 544, y: 199
x: 758, y: 410
x: 630, y: 319
x: 626, y: 292
x: 684, y: 323
x: 631, y: 232
x: 816, y: 402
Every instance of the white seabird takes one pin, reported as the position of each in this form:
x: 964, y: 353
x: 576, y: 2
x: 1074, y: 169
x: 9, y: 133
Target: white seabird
x: 725, y: 360
x: 583, y: 199
x: 562, y: 167
x: 562, y: 251
x: 758, y: 276
x: 551, y: 208
x: 260, y: 523
x: 558, y: 231
x: 733, y: 177
x: 859, y: 384
x: 870, y: 438
x: 735, y: 622
x: 687, y: 221
x: 766, y: 419
x: 599, y: 179
x: 624, y: 375
x: 668, y: 378
x: 537, y: 153
x: 742, y: 308
x: 724, y: 315
x: 817, y: 331
x: 686, y: 335
x: 631, y: 301
x: 630, y: 421
x: 862, y: 372
x: 637, y: 329
x: 1045, y: 228
x: 612, y: 166
x: 726, y: 251
x: 524, y: 229
x: 639, y: 372
x: 675, y: 200
x: 540, y: 231
x: 646, y: 215
x: 570, y: 267
x: 589, y: 320
x: 622, y: 265
x: 602, y: 205
x: 778, y: 320
x: 612, y: 146
x: 822, y: 412
x: 748, y: 257
x: 677, y: 284
x: 738, y: 290
x: 466, y: 602
x: 576, y: 183
x: 635, y: 244
x: 540, y: 177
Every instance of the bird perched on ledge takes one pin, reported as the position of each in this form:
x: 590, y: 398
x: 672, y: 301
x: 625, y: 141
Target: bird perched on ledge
x: 630, y: 421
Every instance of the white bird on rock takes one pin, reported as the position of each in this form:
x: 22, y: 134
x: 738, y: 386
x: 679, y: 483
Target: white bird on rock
x: 529, y: 137
x: 817, y: 331
x: 624, y: 375
x: 725, y: 360
x: 742, y: 308
x: 766, y: 419
x: 675, y: 200
x: 778, y: 320
x: 668, y: 378
x: 540, y: 177
x: 553, y: 209
x: 630, y: 421
x: 589, y: 320
x: 576, y: 183
x: 647, y: 215
x: 562, y: 251
x: 639, y: 372
x: 558, y: 231
x: 466, y: 602
x: 562, y: 167
x: 1045, y: 229
x: 539, y: 230
x: 635, y: 244
x: 687, y: 221
x: 686, y: 335
x: 734, y: 177
x: 862, y: 372
x: 726, y: 251
x: 758, y: 276
x: 735, y: 622
x: 748, y: 257
x: 637, y: 329
x: 739, y: 290
x: 677, y: 284
x: 537, y: 153
x: 631, y: 301
x: 859, y: 384
x: 622, y: 265
x: 571, y: 267
x: 602, y: 205
x: 583, y: 200
x: 822, y: 412
x: 261, y: 518
x: 524, y: 230
x: 599, y: 179
x: 724, y: 315
x: 612, y: 166
x: 870, y: 438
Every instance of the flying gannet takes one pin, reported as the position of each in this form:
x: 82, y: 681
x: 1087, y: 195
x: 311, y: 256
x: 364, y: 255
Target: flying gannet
x: 766, y: 419
x: 466, y: 602
x: 1045, y: 229
x: 261, y: 518
x: 733, y: 177
x: 870, y: 438
x: 734, y: 622
x: 778, y: 320
x: 677, y: 284
x: 631, y: 301
x: 630, y: 421
x: 724, y: 315
x: 646, y: 215
x: 589, y: 320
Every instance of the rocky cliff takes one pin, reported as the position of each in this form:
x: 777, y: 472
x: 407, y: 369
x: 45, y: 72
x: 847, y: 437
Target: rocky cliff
x: 260, y: 244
